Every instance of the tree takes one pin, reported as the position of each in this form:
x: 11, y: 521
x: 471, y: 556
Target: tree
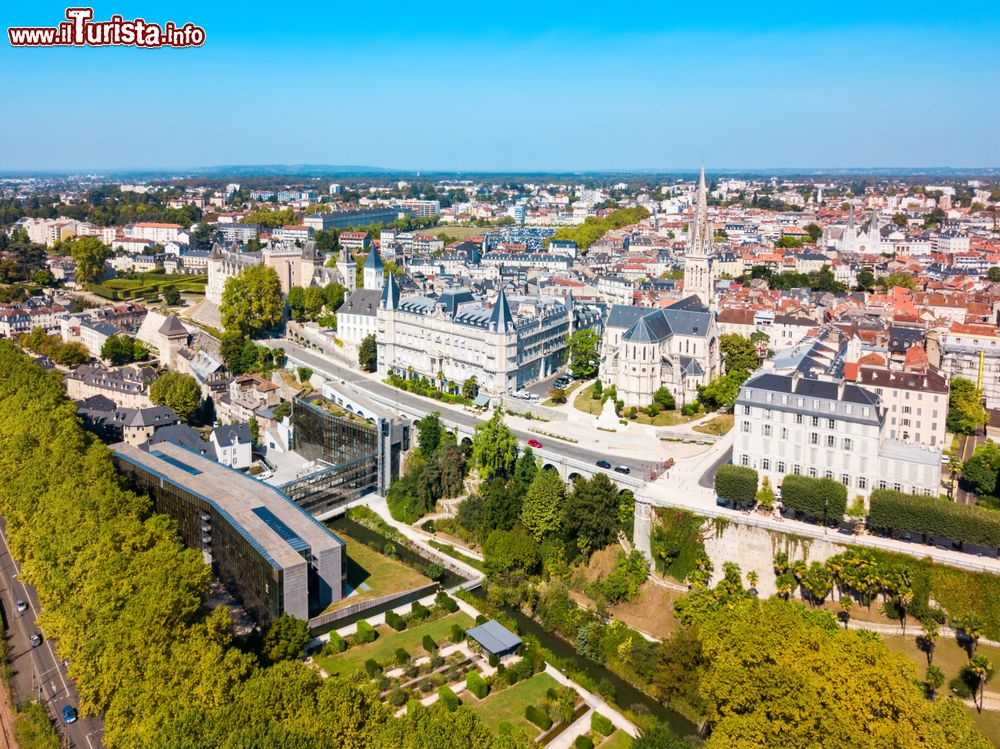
x: 89, y: 254
x: 736, y: 484
x: 494, y: 447
x: 171, y: 295
x: 978, y: 671
x: 122, y: 349
x: 969, y: 628
x: 981, y: 469
x: 815, y: 231
x: 590, y: 515
x: 368, y: 354
x: 254, y: 426
x: 664, y: 399
x: 525, y: 470
x: 252, y: 301
x: 179, y: 391
x: 892, y: 280
x: 660, y: 736
x: 933, y: 680
x: 470, y: 388
x: 722, y: 391
x: 899, y: 219
x: 511, y: 552
x: 558, y: 395
x: 541, y: 510
x: 765, y: 495
x: 583, y: 353
x: 866, y: 280
x: 965, y: 411
x: 285, y: 639
x: 429, y: 433
x: 993, y: 274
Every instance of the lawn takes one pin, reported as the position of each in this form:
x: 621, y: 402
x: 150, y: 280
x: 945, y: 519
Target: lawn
x: 585, y: 402
x: 510, y: 703
x: 569, y: 390
x: 988, y: 721
x: 371, y: 574
x: 948, y: 656
x: 617, y: 740
x: 353, y: 659
x: 456, y: 232
x: 718, y: 425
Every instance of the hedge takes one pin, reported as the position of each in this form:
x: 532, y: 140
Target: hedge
x: 539, y: 717
x: 448, y: 698
x: 583, y: 742
x: 395, y: 621
x: 372, y: 668
x: 429, y: 645
x: 337, y: 644
x: 736, y: 484
x: 445, y: 602
x: 818, y: 498
x: 366, y: 633
x: 914, y: 513
x: 602, y: 725
x: 475, y: 684
x: 401, y: 657
x: 419, y: 611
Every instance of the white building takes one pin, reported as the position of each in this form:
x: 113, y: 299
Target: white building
x: 223, y: 265
x: 153, y: 231
x: 233, y: 445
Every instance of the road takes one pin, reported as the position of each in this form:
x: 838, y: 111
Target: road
x: 965, y: 450
x: 386, y: 393
x: 36, y: 672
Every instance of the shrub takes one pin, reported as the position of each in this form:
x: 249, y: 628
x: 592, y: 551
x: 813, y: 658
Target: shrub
x: 482, y: 618
x: 817, y: 498
x: 337, y: 644
x: 493, y: 660
x: 445, y: 602
x: 736, y: 484
x: 538, y: 717
x: 372, y: 668
x: 366, y: 633
x: 401, y: 657
x: 412, y: 706
x: 601, y: 724
x: 913, y: 513
x: 395, y: 621
x: 457, y: 633
x: 448, y: 698
x: 419, y: 611
x: 429, y: 645
x: 583, y: 742
x: 397, y: 697
x: 477, y: 685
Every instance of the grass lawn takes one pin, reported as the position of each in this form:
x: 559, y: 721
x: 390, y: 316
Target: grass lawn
x: 585, y: 402
x: 617, y: 740
x: 718, y: 425
x: 948, y: 656
x: 453, y: 552
x: 371, y: 574
x: 509, y: 704
x: 353, y: 659
x: 569, y: 390
x: 988, y: 722
x: 455, y: 232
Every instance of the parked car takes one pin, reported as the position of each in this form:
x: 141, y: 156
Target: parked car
x: 533, y: 397
x: 69, y: 714
x: 623, y: 469
x: 534, y: 443
x: 35, y: 640
x: 22, y: 606
x: 603, y: 464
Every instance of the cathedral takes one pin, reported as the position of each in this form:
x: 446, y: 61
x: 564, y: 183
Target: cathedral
x: 700, y: 274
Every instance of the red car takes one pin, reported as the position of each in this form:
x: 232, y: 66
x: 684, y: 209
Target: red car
x: 534, y: 443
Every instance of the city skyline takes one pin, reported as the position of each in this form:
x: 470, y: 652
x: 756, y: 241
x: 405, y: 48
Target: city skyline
x: 567, y: 90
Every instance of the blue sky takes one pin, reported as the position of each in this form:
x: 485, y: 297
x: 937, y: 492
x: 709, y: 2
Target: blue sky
x: 533, y: 86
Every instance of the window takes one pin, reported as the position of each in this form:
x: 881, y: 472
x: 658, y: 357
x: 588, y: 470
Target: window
x: 797, y: 469
x: 845, y: 479
x: 812, y: 472
x: 829, y: 440
x: 746, y: 410
x: 897, y: 487
x: 832, y: 424
x: 746, y: 427
x: 745, y: 460
x: 906, y: 422
x: 815, y: 421
x: 865, y: 411
x: 765, y: 464
x: 798, y: 418
x: 882, y: 485
x: 906, y: 409
x: 828, y: 474
x: 813, y: 438
x: 848, y: 443
x: 766, y: 429
x: 862, y: 482
x: 784, y: 433
x: 781, y: 466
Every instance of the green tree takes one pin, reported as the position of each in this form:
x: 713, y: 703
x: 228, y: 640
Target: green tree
x: 978, y: 672
x: 899, y: 219
x: 525, y: 470
x: 993, y: 274
x: 89, y: 254
x: 285, y: 639
x: 722, y: 391
x: 892, y: 280
x: 122, y: 349
x: 171, y: 295
x: 429, y: 433
x: 965, y: 410
x: 254, y: 426
x: 179, y: 391
x: 981, y: 469
x: 866, y: 280
x: 664, y: 399
x: 511, y: 552
x: 252, y: 301
x: 470, y: 388
x: 494, y: 447
x: 765, y: 495
x: 738, y: 353
x: 814, y: 230
x: 368, y: 354
x: 590, y: 515
x: 933, y: 680
x: 541, y: 511
x: 584, y: 358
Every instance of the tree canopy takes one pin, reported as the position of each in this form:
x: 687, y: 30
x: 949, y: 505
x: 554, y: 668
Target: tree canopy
x: 584, y: 357
x: 252, y: 301
x: 494, y: 447
x: 965, y: 410
x: 179, y: 391
x: 89, y: 254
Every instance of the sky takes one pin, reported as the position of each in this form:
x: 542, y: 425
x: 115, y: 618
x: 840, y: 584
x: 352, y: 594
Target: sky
x: 544, y: 86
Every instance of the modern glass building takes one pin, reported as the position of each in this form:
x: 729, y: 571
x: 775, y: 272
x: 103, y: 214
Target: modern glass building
x: 270, y: 553
x: 363, y: 452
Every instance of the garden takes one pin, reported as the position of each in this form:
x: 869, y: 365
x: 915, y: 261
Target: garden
x: 148, y: 286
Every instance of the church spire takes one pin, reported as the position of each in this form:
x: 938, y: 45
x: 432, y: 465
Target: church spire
x: 701, y: 234
x: 501, y: 321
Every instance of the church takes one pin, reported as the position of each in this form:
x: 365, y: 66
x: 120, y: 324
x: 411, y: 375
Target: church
x: 676, y: 347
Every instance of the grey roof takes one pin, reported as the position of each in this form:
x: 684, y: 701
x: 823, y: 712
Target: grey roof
x: 390, y: 293
x: 902, y: 338
x: 185, y: 436
x: 361, y: 302
x: 690, y: 366
x: 809, y: 387
x: 494, y: 637
x: 649, y: 329
x: 450, y: 300
x: 172, y: 326
x: 231, y: 434
x: 501, y: 321
x: 625, y: 315
x: 373, y: 260
x: 146, y: 417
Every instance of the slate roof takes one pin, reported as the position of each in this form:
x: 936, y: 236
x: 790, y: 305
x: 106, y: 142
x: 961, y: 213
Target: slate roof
x: 373, y: 260
x: 231, y: 434
x: 494, y: 637
x: 361, y: 302
x: 172, y: 326
x: 185, y: 436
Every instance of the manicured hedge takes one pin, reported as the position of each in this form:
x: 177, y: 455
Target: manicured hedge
x: 372, y: 668
x: 366, y: 633
x: 583, y: 742
x: 818, y: 498
x: 736, y: 484
x: 477, y: 685
x: 395, y: 621
x: 429, y: 645
x: 457, y: 633
x: 602, y: 725
x: 445, y: 602
x: 448, y: 698
x: 401, y: 657
x: 914, y: 513
x: 539, y: 717
x: 419, y: 611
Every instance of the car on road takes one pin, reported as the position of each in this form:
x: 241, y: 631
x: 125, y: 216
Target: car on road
x: 69, y: 714
x: 603, y: 464
x: 22, y: 606
x: 534, y: 443
x: 623, y: 469
x: 35, y: 640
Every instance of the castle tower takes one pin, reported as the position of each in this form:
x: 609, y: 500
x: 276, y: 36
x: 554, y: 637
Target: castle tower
x: 374, y: 271
x: 348, y: 269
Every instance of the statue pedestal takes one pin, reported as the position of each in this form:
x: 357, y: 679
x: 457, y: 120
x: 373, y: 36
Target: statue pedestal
x: 608, y: 419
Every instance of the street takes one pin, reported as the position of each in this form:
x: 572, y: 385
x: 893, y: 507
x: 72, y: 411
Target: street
x: 966, y: 448
x: 386, y: 393
x: 36, y: 672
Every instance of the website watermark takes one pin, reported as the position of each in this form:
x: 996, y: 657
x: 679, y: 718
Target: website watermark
x: 80, y: 30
